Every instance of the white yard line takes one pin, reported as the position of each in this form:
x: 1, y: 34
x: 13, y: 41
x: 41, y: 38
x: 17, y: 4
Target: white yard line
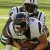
x: 44, y: 5
x: 4, y: 17
x: 47, y: 22
x: 2, y: 24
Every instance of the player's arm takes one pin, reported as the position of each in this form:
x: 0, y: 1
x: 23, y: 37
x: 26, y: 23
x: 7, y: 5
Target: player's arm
x: 7, y: 47
x: 47, y: 31
x: 43, y: 20
x: 12, y: 13
x: 6, y: 25
x: 11, y: 41
x: 43, y: 41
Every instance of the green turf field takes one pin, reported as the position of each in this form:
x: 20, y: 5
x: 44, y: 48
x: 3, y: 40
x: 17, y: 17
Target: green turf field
x: 6, y: 5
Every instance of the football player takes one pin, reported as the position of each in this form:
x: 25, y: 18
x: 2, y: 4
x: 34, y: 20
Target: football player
x: 12, y: 31
x: 21, y: 33
x: 31, y: 7
x: 12, y: 13
x: 32, y: 11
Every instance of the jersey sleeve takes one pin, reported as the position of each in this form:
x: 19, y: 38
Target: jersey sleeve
x: 43, y: 18
x: 13, y: 12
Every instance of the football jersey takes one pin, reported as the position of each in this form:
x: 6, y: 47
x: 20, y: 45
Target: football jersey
x: 14, y: 34
x: 35, y: 30
x: 40, y: 15
x: 36, y: 27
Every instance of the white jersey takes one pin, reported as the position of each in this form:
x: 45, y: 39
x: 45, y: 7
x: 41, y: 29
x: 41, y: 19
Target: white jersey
x: 35, y: 27
x: 14, y: 11
x: 35, y: 30
x: 11, y: 32
x: 40, y: 15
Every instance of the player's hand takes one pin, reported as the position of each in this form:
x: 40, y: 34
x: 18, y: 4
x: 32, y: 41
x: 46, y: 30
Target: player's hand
x: 17, y: 45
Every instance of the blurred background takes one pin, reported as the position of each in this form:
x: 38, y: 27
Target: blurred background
x: 6, y: 5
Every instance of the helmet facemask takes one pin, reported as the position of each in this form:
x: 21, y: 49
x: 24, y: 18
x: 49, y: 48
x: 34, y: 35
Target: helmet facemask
x: 30, y: 8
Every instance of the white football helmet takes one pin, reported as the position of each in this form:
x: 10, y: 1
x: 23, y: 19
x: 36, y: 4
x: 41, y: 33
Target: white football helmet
x: 33, y: 2
x: 13, y: 12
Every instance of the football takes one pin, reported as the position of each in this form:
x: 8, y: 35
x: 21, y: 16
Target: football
x: 28, y: 44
